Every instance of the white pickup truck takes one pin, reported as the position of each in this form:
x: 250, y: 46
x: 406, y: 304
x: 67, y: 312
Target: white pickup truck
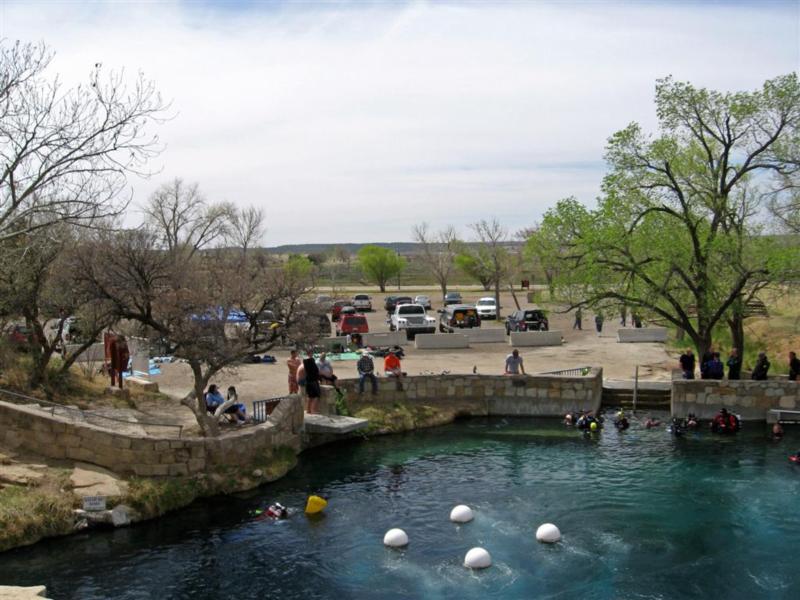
x: 412, y: 319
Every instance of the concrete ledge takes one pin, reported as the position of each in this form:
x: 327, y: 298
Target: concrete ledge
x: 429, y: 341
x: 391, y: 338
x: 535, y: 338
x: 647, y: 334
x: 478, y: 336
x: 141, y: 384
x: 330, y: 342
x: 333, y: 424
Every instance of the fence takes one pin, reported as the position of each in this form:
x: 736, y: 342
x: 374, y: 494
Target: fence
x: 262, y: 409
x: 78, y: 415
x: 574, y: 372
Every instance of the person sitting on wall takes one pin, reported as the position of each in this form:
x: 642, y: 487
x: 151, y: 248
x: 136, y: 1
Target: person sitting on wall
x: 392, y: 368
x: 366, y: 370
x: 325, y: 367
x: 725, y: 422
x: 214, y: 399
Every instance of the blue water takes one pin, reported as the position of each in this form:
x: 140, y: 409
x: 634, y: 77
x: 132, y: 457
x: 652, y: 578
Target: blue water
x: 643, y: 515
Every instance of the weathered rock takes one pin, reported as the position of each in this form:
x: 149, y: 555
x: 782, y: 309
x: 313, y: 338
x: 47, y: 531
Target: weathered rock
x: 258, y: 473
x: 17, y: 474
x: 91, y: 480
x: 122, y: 515
x: 11, y: 592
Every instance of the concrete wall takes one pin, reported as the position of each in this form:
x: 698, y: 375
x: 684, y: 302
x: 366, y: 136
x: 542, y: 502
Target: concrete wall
x: 481, y: 335
x: 489, y: 395
x: 644, y: 334
x: 430, y: 341
x: 30, y: 428
x: 390, y: 338
x: 535, y: 338
x: 750, y: 399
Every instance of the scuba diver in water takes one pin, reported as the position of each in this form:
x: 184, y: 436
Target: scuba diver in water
x: 621, y: 422
x: 777, y: 431
x: 725, y: 422
x: 691, y: 422
x: 677, y: 427
x: 275, y: 511
x: 587, y: 420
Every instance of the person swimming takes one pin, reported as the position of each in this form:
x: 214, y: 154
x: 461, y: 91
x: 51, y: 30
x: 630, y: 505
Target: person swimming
x: 725, y: 422
x: 777, y: 431
x: 651, y: 422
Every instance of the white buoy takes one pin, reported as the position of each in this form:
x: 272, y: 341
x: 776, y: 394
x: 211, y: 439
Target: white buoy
x: 478, y: 558
x: 395, y: 538
x: 548, y: 533
x: 461, y: 514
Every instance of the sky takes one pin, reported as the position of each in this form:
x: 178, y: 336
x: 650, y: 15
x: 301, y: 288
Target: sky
x: 353, y: 121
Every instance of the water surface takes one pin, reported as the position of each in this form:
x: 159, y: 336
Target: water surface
x: 643, y: 515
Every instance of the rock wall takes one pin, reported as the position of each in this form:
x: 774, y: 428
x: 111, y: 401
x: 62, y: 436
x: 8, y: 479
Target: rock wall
x: 750, y: 399
x: 30, y: 428
x: 489, y: 395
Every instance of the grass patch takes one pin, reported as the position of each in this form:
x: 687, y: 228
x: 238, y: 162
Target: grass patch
x: 28, y: 514
x: 401, y: 417
x: 155, y: 497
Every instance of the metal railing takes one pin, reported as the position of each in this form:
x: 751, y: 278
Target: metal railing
x: 87, y: 416
x: 574, y: 372
x: 262, y: 409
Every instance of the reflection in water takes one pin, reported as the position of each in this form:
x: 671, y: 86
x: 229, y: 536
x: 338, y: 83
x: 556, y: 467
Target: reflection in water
x: 643, y: 515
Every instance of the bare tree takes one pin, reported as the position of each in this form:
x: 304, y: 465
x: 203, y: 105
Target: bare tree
x: 492, y: 237
x: 439, y: 250
x: 184, y: 220
x: 65, y: 153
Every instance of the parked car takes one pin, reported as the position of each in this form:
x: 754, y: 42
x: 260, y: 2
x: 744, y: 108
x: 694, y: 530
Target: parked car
x: 458, y: 316
x: 453, y: 298
x: 352, y: 323
x: 362, y: 302
x: 325, y: 301
x: 530, y: 319
x: 389, y: 304
x: 18, y: 337
x: 412, y: 319
x: 337, y: 307
x: 403, y: 300
x: 487, y: 308
x: 423, y: 301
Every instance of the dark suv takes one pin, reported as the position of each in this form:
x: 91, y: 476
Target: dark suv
x: 391, y: 302
x: 452, y: 298
x: 458, y: 316
x: 531, y: 319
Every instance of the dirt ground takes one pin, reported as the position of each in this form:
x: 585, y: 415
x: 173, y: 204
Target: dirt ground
x: 580, y: 348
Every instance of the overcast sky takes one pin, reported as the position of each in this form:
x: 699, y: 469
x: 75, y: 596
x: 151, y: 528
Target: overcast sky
x: 351, y: 121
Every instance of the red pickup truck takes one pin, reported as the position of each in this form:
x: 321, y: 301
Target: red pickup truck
x: 348, y: 324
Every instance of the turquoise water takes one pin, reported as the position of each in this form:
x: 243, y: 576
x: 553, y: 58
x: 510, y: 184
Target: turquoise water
x: 643, y: 515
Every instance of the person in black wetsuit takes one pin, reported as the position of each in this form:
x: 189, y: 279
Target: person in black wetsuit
x: 687, y: 363
x: 794, y: 367
x: 761, y: 369
x: 312, y: 382
x: 734, y: 365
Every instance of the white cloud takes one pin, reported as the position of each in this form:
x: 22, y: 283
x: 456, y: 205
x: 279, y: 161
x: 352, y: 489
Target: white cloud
x: 352, y: 122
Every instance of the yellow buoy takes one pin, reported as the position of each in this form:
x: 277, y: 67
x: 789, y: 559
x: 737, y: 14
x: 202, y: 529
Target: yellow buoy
x: 315, y: 505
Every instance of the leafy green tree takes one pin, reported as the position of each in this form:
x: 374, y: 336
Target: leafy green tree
x: 476, y: 264
x: 380, y: 264
x: 674, y: 233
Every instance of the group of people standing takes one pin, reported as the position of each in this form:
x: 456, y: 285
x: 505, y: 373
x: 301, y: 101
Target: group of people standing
x: 310, y: 373
x: 711, y: 366
x: 599, y: 320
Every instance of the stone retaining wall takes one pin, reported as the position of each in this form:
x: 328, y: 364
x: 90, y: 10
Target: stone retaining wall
x: 489, y: 395
x: 750, y: 399
x: 29, y: 428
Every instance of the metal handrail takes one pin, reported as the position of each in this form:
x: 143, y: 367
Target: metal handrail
x: 262, y: 410
x: 575, y: 371
x: 86, y: 416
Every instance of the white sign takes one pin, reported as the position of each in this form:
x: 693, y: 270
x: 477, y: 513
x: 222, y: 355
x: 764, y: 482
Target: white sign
x: 94, y: 503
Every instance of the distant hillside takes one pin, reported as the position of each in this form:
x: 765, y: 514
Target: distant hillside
x: 401, y: 247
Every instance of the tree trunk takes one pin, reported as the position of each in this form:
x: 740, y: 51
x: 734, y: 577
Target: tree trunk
x: 195, y: 401
x: 382, y: 285
x: 736, y: 326
x: 497, y: 297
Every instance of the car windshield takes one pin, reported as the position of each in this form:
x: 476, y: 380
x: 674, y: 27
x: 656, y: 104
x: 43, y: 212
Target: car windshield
x: 486, y: 302
x: 411, y: 309
x: 404, y: 300
x: 356, y: 320
x: 533, y: 315
x: 453, y: 295
x: 360, y: 297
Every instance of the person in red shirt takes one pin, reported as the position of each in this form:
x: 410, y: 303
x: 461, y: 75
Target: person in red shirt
x: 392, y: 368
